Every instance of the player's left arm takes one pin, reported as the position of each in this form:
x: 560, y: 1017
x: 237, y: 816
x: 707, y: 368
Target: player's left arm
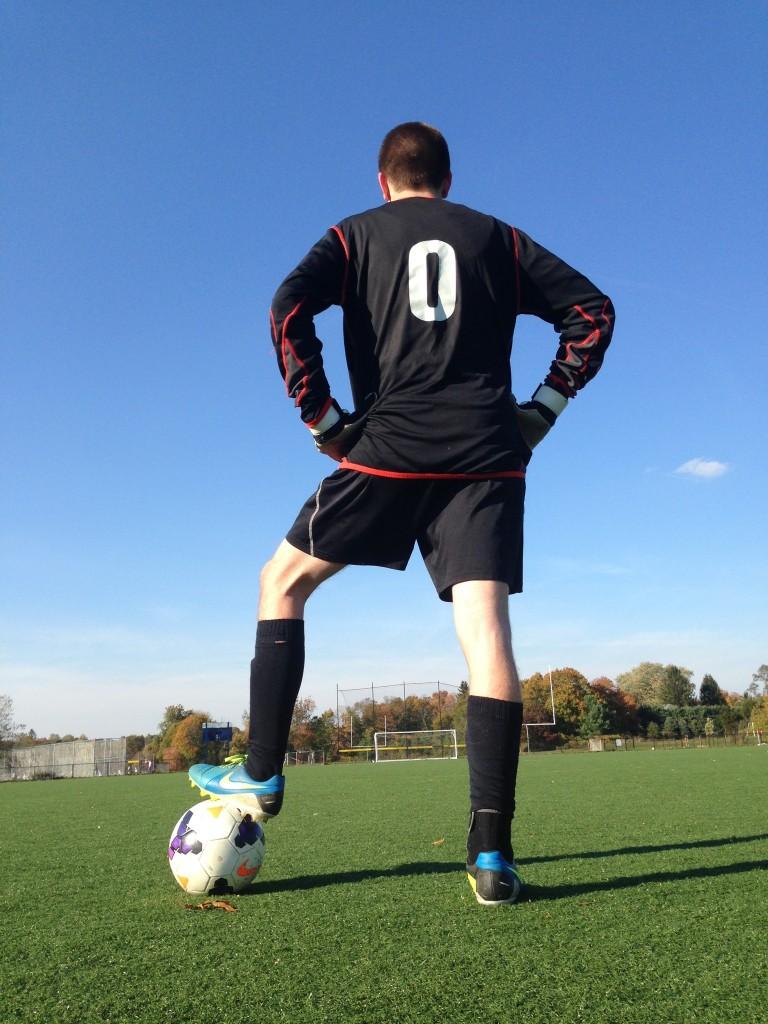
x: 582, y: 315
x: 318, y: 282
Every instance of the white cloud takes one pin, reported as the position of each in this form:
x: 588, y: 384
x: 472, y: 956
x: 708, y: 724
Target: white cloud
x: 705, y: 469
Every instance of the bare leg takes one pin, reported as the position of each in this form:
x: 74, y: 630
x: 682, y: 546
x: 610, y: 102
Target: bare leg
x: 289, y: 579
x: 481, y: 615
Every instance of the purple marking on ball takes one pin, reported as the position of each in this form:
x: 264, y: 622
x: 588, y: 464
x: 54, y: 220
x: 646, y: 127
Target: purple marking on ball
x: 185, y: 840
x: 248, y: 833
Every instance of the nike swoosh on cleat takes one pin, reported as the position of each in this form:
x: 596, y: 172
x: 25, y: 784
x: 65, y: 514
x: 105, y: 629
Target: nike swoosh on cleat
x: 226, y: 783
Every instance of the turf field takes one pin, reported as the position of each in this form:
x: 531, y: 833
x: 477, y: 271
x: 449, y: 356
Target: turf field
x: 647, y: 901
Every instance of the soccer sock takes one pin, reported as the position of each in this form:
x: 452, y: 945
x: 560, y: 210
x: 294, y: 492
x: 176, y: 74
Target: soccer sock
x: 489, y: 830
x: 276, y: 673
x: 493, y: 750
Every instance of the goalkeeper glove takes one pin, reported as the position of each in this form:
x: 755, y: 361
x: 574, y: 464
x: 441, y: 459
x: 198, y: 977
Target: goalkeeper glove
x: 535, y: 418
x: 338, y: 431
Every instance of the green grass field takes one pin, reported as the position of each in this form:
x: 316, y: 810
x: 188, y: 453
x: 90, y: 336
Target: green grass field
x: 647, y: 901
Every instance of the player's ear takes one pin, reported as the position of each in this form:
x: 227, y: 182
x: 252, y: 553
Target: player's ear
x: 384, y: 186
x: 446, y: 186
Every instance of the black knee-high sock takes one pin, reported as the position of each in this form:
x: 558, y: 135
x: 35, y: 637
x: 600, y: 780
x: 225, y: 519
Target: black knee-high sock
x: 493, y: 750
x: 276, y: 673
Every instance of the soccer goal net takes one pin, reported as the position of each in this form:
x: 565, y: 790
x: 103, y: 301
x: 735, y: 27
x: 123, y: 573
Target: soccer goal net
x: 415, y: 746
x: 389, y: 709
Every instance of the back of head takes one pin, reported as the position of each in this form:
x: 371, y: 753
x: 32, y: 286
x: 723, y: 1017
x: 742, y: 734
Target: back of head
x: 414, y: 156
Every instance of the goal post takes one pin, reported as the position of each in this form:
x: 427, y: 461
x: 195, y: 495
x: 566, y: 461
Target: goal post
x: 416, y: 745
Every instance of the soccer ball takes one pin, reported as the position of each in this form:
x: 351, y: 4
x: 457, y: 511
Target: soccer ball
x: 216, y: 847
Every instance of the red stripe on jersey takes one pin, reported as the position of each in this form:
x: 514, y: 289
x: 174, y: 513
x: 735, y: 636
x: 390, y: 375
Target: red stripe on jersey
x: 591, y: 339
x: 506, y: 474
x: 345, y: 247
x: 322, y: 413
x: 342, y: 239
x: 274, y: 326
x: 559, y: 385
x: 285, y: 344
x: 586, y: 315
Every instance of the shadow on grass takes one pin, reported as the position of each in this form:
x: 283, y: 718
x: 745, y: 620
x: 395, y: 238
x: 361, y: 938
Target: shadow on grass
x: 540, y: 894
x: 345, y: 877
x: 696, y: 844
x: 532, y: 892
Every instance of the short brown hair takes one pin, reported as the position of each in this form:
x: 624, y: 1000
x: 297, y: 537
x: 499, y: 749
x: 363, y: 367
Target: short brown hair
x: 414, y: 155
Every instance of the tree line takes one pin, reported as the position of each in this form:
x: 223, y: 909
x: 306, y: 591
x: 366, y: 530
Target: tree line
x: 650, y: 700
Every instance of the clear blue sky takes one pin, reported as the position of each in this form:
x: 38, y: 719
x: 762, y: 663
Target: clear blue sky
x: 166, y: 164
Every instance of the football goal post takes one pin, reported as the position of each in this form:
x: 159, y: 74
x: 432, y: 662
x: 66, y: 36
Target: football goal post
x: 418, y: 745
x: 530, y: 725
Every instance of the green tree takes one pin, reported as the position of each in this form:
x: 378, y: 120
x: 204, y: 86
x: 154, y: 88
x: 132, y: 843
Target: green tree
x: 652, y: 732
x: 669, y: 729
x: 643, y: 682
x: 25, y: 739
x: 325, y: 733
x: 460, y: 712
x: 760, y: 714
x: 727, y: 720
x: 760, y: 679
x: 134, y: 744
x: 676, y: 686
x: 696, y: 718
x: 594, y: 721
x: 301, y: 734
x: 620, y: 708
x: 710, y: 693
x: 709, y: 728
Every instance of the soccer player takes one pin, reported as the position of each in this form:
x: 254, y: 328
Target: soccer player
x: 434, y: 454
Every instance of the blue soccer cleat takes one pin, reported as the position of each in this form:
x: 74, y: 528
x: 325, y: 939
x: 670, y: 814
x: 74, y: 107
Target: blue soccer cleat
x: 494, y: 880
x: 230, y: 781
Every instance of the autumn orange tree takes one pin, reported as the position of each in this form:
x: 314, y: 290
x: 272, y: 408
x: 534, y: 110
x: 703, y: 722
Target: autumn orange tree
x: 186, y: 738
x: 620, y: 706
x: 569, y: 689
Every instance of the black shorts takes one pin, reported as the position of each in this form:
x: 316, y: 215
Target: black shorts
x: 465, y: 529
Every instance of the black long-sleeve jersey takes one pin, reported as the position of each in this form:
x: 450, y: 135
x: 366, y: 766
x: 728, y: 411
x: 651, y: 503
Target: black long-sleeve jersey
x: 430, y: 292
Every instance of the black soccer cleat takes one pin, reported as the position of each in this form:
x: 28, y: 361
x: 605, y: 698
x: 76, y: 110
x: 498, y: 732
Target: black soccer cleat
x: 493, y: 880
x: 491, y: 870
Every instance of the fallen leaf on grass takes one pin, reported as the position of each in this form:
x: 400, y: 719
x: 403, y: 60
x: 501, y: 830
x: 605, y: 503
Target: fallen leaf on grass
x: 212, y: 905
x: 438, y: 842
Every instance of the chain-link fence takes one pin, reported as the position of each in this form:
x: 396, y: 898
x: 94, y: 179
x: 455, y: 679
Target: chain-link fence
x: 70, y: 759
x: 305, y: 757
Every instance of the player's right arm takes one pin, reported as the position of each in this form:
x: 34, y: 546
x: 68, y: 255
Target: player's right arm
x: 318, y: 282
x: 582, y: 315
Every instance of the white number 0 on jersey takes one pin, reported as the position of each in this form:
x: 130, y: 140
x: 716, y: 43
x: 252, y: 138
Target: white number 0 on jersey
x: 441, y: 303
